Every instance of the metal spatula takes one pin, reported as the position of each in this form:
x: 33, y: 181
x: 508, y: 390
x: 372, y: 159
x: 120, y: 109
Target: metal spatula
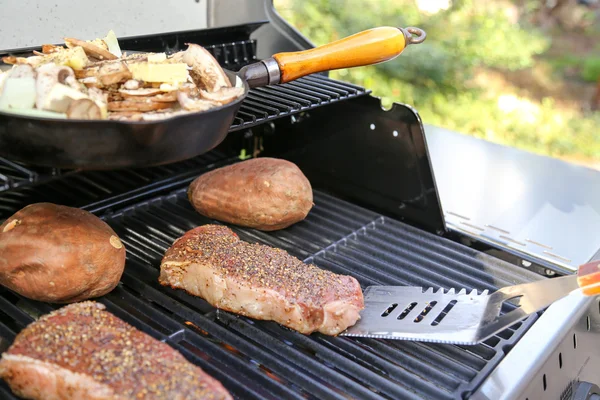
x: 458, y: 317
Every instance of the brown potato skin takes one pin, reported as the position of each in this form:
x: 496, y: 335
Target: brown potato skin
x: 59, y: 254
x: 262, y: 193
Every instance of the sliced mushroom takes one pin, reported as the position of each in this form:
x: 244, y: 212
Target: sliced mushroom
x: 131, y: 84
x: 49, y: 75
x: 167, y: 87
x: 34, y: 61
x: 100, y: 43
x: 12, y: 60
x: 162, y: 115
x: 101, y: 99
x: 91, y: 82
x: 21, y: 71
x: 72, y: 82
x: 113, y: 96
x: 60, y: 97
x: 131, y: 58
x: 168, y: 97
x: 74, y: 57
x: 144, y: 92
x: 50, y: 48
x: 91, y: 49
x: 206, y: 72
x: 223, y: 95
x: 125, y: 116
x: 192, y: 104
x: 140, y: 106
x: 148, y: 94
x: 109, y: 74
x: 84, y: 109
x: 176, y: 58
x: 88, y: 72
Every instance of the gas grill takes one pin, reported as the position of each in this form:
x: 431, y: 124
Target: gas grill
x: 377, y: 217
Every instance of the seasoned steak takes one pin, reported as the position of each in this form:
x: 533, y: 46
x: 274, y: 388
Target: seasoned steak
x: 261, y: 282
x: 82, y: 351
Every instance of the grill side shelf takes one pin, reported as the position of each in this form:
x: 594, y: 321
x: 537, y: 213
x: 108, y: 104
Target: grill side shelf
x: 262, y: 360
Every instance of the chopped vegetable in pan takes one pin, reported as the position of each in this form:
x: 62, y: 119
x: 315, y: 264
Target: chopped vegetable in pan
x: 95, y: 79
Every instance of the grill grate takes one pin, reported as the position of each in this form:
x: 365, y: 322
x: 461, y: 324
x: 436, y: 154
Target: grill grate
x: 77, y: 189
x: 261, y: 360
x: 14, y: 174
x: 261, y: 105
x: 235, y: 55
x: 270, y: 102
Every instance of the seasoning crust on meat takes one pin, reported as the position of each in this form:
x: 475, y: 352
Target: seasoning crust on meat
x: 82, y: 351
x: 261, y: 282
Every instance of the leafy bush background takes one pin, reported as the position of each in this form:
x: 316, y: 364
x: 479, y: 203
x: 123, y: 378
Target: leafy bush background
x: 443, y: 77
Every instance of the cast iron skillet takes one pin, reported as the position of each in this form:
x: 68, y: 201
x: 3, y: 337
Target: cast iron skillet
x: 107, y: 144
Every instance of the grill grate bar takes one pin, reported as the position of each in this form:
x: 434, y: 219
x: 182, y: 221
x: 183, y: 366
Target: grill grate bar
x: 318, y: 77
x: 5, y: 391
x: 20, y: 317
x: 295, y: 354
x: 210, y: 328
x: 175, y: 211
x: 7, y: 334
x: 387, y: 367
x: 234, y: 55
x: 300, y: 102
x: 419, y: 357
x: 211, y: 356
x: 259, y: 359
x: 357, y: 380
x: 89, y: 188
x: 320, y: 90
x: 12, y: 173
x: 275, y: 101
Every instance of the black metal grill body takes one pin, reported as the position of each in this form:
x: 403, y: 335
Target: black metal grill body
x: 370, y: 170
x: 261, y: 360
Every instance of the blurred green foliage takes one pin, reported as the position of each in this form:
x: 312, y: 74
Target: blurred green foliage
x: 436, y: 77
x: 591, y: 69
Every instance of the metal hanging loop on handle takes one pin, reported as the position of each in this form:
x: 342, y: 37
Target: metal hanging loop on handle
x: 410, y: 31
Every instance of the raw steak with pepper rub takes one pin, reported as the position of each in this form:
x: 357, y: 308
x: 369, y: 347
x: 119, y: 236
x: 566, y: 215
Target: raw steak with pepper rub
x: 261, y: 282
x: 82, y: 351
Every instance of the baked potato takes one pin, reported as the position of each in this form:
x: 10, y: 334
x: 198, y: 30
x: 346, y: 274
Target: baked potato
x: 262, y: 193
x: 59, y: 254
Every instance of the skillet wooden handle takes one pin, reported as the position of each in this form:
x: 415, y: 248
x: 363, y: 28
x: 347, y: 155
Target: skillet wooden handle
x: 364, y: 48
x: 588, y: 278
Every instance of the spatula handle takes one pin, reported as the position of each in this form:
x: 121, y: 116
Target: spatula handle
x: 588, y: 278
x: 364, y: 48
